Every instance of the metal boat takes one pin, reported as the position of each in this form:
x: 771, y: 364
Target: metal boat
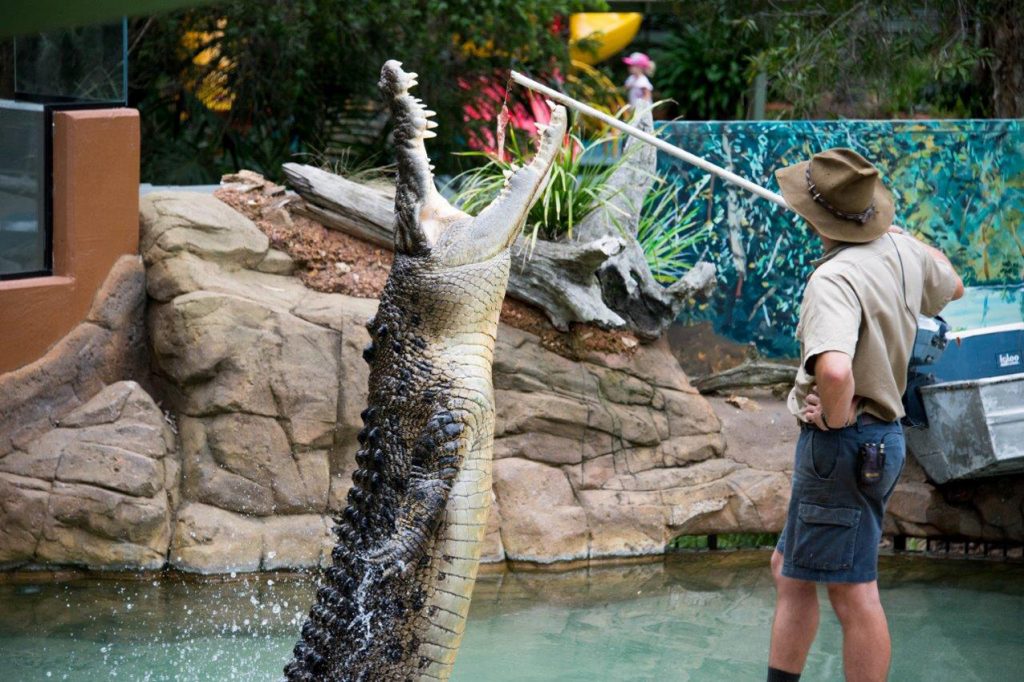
x: 971, y: 390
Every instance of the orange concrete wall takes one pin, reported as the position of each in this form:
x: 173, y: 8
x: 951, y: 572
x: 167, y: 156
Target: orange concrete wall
x: 95, y: 221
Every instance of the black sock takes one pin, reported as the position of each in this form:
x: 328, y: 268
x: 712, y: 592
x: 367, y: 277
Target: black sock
x: 776, y: 675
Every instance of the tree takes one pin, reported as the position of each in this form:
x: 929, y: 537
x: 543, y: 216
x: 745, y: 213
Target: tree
x: 290, y: 69
x: 827, y: 58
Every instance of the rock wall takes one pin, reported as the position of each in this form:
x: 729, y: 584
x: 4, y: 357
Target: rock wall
x: 611, y: 457
x: 605, y: 457
x: 248, y: 450
x: 88, y: 470
x: 253, y: 366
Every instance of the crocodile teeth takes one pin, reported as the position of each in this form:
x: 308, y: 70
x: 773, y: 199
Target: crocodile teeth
x: 551, y: 104
x: 541, y: 127
x: 431, y: 124
x: 429, y: 113
x: 427, y: 134
x: 508, y: 172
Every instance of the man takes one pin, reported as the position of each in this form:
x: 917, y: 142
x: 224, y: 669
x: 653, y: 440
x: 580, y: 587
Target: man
x: 857, y: 326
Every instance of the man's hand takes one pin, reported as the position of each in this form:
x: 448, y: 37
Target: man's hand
x: 834, y: 386
x: 812, y: 410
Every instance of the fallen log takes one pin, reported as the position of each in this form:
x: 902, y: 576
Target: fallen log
x: 561, y: 278
x: 750, y: 374
x: 558, y: 277
x: 354, y: 208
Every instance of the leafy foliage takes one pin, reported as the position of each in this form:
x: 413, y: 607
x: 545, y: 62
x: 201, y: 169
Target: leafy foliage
x: 833, y: 58
x: 703, y: 68
x: 293, y: 68
x: 875, y: 59
x: 726, y: 541
x: 575, y: 188
x: 669, y: 230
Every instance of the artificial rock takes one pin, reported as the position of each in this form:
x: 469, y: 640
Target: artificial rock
x: 94, y: 491
x: 263, y: 380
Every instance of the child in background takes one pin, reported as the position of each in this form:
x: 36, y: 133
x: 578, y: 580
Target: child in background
x: 638, y: 86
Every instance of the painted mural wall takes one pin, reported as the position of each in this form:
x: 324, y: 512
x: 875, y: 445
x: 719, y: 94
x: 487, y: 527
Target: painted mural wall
x: 959, y: 184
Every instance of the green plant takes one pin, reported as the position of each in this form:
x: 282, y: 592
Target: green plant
x: 864, y: 59
x: 726, y: 541
x: 348, y: 163
x: 702, y: 67
x: 291, y: 72
x: 844, y: 58
x: 668, y: 231
x: 575, y: 188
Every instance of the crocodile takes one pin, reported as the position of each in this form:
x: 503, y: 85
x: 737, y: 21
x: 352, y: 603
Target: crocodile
x: 392, y: 605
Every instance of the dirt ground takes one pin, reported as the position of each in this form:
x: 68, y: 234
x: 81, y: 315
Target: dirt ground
x: 335, y: 262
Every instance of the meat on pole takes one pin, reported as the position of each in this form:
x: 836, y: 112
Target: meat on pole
x: 669, y: 149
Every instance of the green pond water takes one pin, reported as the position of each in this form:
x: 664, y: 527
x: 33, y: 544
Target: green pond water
x: 695, y: 617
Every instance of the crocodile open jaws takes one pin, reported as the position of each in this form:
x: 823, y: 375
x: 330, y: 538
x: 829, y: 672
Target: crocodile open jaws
x: 393, y: 604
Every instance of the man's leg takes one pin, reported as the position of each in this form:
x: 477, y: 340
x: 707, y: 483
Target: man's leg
x: 866, y: 646
x: 796, y: 620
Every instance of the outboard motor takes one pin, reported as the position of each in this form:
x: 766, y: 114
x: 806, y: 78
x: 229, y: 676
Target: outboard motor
x: 929, y: 344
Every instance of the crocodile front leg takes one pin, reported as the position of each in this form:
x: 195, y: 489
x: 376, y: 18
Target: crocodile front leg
x: 393, y: 604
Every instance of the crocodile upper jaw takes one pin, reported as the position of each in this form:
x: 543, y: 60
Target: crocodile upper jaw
x: 426, y: 223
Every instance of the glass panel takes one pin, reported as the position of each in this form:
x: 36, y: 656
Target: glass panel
x: 22, y: 197
x: 86, y: 64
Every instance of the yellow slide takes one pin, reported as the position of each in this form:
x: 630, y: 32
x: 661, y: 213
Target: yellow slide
x: 608, y: 32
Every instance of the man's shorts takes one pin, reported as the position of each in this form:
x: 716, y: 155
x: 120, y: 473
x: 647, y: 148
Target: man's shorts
x: 834, y: 523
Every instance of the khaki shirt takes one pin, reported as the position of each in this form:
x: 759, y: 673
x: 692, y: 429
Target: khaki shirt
x: 854, y: 303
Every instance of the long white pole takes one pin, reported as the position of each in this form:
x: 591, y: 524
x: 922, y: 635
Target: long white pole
x: 669, y: 149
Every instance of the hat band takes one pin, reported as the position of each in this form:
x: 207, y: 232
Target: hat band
x: 862, y: 217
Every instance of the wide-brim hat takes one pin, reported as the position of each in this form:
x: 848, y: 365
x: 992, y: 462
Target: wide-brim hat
x: 637, y: 59
x: 840, y: 193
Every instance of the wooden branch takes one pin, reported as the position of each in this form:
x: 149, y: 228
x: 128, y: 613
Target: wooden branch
x: 561, y: 279
x: 749, y: 374
x: 627, y: 285
x: 339, y: 204
x: 558, y: 277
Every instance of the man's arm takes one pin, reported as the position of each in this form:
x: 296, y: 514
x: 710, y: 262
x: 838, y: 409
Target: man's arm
x: 834, y: 406
x: 938, y: 256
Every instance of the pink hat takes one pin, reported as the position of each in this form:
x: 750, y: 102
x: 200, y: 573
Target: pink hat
x: 638, y: 59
